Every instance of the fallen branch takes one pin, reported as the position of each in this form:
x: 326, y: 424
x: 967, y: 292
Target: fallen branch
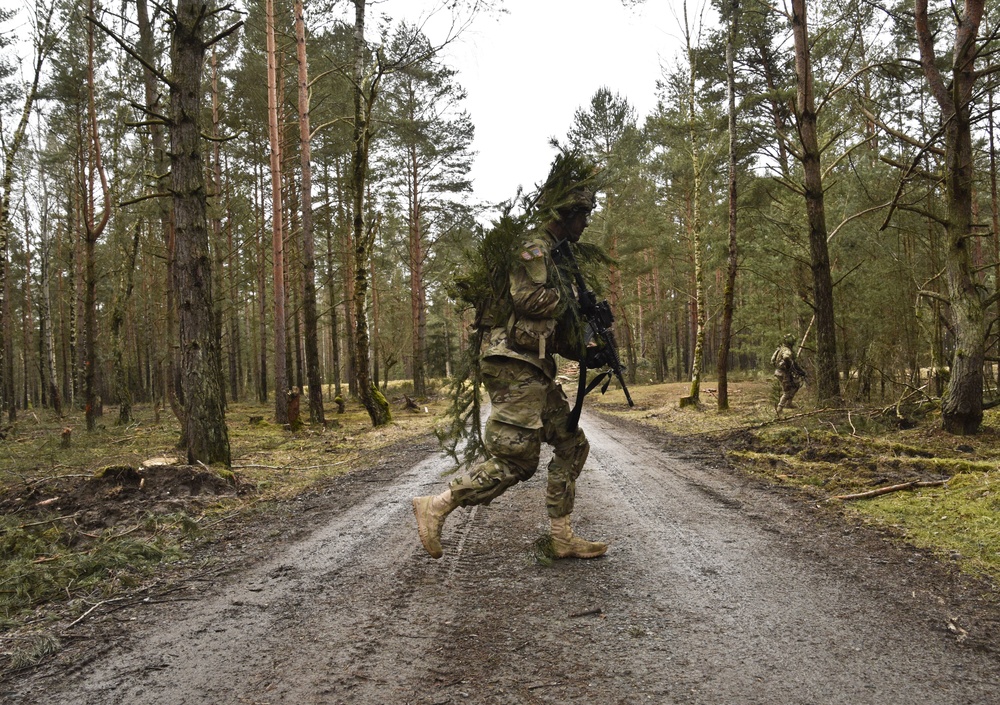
x: 783, y: 419
x: 892, y: 488
x: 51, y: 521
x: 87, y: 613
x: 287, y: 467
x: 587, y: 613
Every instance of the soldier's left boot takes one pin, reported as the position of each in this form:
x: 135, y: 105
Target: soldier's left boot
x: 431, y: 512
x: 566, y: 545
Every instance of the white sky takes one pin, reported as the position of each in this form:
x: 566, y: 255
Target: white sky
x: 528, y: 71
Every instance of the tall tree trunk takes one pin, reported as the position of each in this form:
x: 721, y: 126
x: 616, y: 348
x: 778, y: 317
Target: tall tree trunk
x: 418, y: 312
x: 314, y: 375
x: 46, y: 323
x: 962, y: 406
x: 699, y: 282
x: 365, y: 92
x: 277, y: 234
x: 994, y: 204
x: 147, y: 50
x: 376, y: 342
x: 827, y: 376
x: 204, y: 411
x: 93, y: 229
x: 262, y: 375
x: 122, y: 388
x: 235, y: 337
x: 331, y: 290
x: 349, y: 279
x: 27, y: 328
x: 732, y: 260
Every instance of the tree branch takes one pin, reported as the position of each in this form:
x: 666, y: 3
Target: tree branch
x: 129, y: 50
x: 223, y: 34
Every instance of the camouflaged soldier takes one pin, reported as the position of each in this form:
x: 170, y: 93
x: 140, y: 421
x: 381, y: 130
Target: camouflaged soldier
x: 518, y: 370
x: 788, y: 372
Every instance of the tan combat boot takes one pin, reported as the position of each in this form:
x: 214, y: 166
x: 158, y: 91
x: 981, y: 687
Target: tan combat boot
x: 566, y: 545
x: 430, y: 512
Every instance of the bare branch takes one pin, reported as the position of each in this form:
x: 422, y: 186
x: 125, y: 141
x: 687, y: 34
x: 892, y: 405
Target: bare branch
x: 223, y: 34
x: 128, y: 49
x: 902, y: 136
x: 928, y: 294
x: 849, y: 218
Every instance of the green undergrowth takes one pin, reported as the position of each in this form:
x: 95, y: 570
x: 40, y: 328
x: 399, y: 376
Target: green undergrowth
x: 960, y: 520
x: 45, y: 560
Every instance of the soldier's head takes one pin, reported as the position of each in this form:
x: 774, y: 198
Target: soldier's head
x: 788, y: 340
x: 568, y: 195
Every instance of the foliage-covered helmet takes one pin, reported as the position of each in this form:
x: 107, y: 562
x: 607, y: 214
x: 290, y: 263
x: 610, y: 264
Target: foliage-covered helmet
x: 788, y: 340
x: 572, y: 184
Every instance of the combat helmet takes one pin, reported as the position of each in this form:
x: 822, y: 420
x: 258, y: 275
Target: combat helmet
x: 572, y: 183
x: 788, y: 340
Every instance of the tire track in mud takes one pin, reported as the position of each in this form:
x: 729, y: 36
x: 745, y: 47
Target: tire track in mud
x: 713, y: 591
x: 757, y: 602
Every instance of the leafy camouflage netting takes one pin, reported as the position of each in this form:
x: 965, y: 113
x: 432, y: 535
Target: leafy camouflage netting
x: 484, y: 288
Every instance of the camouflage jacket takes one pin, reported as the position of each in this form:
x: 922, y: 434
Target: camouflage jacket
x: 784, y: 362
x: 541, y: 296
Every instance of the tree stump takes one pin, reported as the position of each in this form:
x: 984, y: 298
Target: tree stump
x: 294, y: 418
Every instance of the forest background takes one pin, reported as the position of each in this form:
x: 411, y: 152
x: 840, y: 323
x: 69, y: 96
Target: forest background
x: 832, y: 178
x: 213, y: 213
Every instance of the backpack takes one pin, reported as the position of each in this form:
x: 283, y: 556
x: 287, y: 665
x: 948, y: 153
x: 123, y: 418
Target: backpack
x: 483, y: 287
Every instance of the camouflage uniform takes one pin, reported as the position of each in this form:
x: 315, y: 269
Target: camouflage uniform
x: 788, y: 372
x: 528, y: 406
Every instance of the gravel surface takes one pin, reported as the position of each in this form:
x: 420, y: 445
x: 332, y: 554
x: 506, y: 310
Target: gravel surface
x: 716, y: 589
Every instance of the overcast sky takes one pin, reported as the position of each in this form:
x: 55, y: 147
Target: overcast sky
x: 528, y: 71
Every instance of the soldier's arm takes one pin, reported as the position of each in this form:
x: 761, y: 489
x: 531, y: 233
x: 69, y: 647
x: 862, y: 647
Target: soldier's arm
x: 532, y: 292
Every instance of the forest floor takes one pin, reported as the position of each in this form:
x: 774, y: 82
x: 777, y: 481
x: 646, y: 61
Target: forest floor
x: 733, y: 574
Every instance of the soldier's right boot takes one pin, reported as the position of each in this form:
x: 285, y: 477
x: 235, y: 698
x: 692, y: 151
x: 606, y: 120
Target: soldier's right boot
x: 431, y: 511
x: 566, y: 545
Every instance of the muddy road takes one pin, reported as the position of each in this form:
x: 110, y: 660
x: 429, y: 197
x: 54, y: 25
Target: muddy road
x: 715, y: 590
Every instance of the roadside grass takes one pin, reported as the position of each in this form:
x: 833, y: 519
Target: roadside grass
x: 824, y: 454
x: 960, y: 521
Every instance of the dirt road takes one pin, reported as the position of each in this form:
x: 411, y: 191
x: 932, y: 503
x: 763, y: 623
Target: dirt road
x: 715, y: 590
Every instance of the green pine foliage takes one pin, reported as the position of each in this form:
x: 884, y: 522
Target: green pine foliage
x: 483, y: 289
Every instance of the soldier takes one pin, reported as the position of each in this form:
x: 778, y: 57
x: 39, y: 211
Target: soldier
x: 788, y: 372
x: 518, y: 371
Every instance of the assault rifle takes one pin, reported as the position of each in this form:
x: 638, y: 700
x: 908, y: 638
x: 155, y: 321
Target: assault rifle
x: 600, y: 320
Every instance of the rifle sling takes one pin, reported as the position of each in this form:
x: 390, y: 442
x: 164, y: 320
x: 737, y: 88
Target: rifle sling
x: 582, y: 390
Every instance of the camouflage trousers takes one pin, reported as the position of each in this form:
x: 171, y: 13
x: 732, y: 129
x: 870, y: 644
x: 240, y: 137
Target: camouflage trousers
x: 789, y: 386
x: 528, y: 409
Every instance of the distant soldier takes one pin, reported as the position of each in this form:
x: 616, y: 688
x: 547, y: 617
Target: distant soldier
x: 788, y: 372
